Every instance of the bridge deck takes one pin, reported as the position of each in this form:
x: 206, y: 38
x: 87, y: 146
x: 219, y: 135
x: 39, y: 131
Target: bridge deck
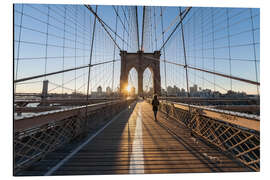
x: 135, y: 143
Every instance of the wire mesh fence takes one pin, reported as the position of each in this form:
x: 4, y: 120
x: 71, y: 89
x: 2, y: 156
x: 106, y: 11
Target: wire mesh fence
x: 242, y: 143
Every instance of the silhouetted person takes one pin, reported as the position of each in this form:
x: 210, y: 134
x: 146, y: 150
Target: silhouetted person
x: 155, y: 104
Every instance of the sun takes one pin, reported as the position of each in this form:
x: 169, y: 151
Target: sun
x: 128, y: 88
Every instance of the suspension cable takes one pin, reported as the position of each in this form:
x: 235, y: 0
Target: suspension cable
x: 169, y: 37
x: 137, y: 28
x: 209, y: 71
x: 63, y: 51
x: 91, y: 54
x: 84, y: 52
x: 103, y: 24
x: 202, y: 45
x: 121, y: 21
x: 123, y: 45
x: 164, y: 54
x: 151, y: 27
x: 184, y: 49
x: 62, y: 85
x: 75, y: 49
x: 143, y: 33
x: 155, y: 28
x: 19, y: 43
x: 254, y: 49
x: 114, y: 49
x: 62, y: 71
x: 46, y: 43
x: 213, y: 45
x: 194, y: 43
x: 229, y: 44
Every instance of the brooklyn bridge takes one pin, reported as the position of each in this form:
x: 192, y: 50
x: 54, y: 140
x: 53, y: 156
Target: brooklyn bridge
x: 85, y: 76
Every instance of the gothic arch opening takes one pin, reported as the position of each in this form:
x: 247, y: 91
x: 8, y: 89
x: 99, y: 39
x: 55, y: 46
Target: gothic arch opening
x: 140, y: 61
x: 132, y: 85
x: 148, y: 82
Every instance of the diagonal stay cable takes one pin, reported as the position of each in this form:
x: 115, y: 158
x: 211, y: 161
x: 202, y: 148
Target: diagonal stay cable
x: 59, y: 86
x: 209, y: 71
x: 226, y: 76
x: 90, y: 58
x: 183, y: 17
x: 32, y: 82
x: 212, y: 83
x: 173, y: 22
x: 117, y: 14
x: 65, y: 83
x: 124, y: 12
x: 62, y: 71
x: 103, y: 24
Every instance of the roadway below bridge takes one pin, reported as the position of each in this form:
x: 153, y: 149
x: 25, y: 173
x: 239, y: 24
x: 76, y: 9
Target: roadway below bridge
x: 133, y: 143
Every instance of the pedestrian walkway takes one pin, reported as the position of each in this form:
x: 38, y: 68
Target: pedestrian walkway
x: 133, y: 143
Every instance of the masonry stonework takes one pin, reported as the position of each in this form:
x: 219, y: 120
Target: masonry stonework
x: 140, y: 61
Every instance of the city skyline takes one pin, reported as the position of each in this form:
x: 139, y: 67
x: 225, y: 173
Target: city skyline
x: 171, y: 90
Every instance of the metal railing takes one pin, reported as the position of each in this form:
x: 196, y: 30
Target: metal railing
x: 234, y: 134
x: 36, y: 136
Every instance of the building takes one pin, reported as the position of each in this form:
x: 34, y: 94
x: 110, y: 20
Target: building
x: 194, y: 89
x: 99, y: 90
x: 108, y: 91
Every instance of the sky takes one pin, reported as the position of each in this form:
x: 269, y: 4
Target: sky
x: 49, y: 38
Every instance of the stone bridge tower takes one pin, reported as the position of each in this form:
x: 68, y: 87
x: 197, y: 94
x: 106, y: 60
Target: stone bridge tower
x: 140, y: 61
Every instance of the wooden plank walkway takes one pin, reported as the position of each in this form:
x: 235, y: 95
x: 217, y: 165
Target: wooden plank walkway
x: 134, y: 143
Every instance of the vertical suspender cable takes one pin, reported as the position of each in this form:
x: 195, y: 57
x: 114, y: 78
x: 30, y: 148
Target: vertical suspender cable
x: 194, y: 45
x: 151, y: 29
x: 202, y: 30
x: 128, y: 21
x: 155, y: 27
x: 124, y: 28
x: 84, y: 51
x: 254, y: 49
x: 75, y: 72
x: 164, y: 55
x: 213, y: 49
x: 137, y: 27
x: 143, y: 33
x: 129, y: 29
x: 114, y: 49
x: 19, y: 45
x: 63, y: 52
x: 104, y: 50
x: 185, y: 58
x: 184, y: 50
x: 186, y: 66
x: 229, y: 43
x: 46, y: 43
x: 90, y: 58
x: 129, y: 25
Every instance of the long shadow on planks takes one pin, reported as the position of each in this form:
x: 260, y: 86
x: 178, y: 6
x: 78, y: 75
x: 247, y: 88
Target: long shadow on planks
x: 101, y: 151
x: 101, y: 155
